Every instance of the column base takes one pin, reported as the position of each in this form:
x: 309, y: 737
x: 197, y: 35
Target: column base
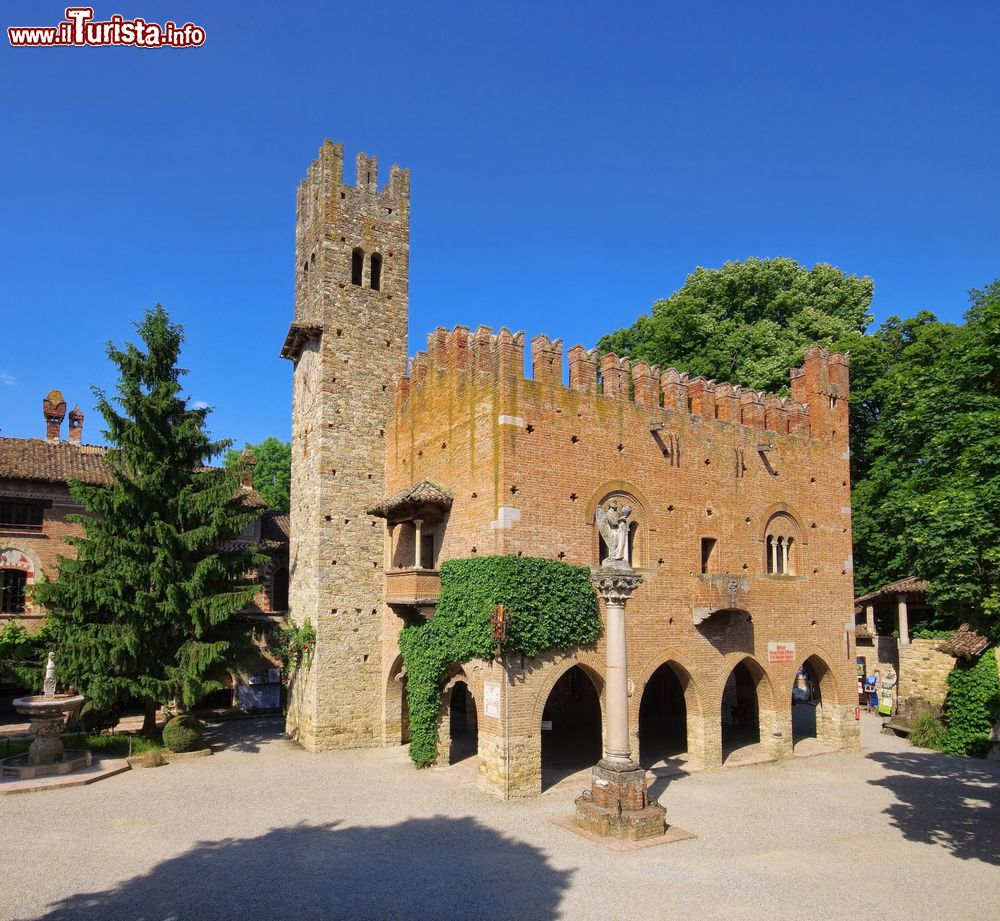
x: 616, y: 805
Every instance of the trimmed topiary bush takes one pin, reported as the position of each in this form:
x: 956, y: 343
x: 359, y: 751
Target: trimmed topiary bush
x: 183, y: 734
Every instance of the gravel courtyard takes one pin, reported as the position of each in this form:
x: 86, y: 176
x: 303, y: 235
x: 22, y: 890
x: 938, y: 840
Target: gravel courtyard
x: 265, y: 830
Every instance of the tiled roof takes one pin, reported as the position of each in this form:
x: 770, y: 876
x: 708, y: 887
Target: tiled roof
x: 964, y: 642
x: 424, y: 493
x: 909, y: 585
x: 62, y: 461
x: 274, y: 528
x: 52, y: 462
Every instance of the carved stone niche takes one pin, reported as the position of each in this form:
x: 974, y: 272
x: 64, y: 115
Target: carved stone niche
x: 716, y: 593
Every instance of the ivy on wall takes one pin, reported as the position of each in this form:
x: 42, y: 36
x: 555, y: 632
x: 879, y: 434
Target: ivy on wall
x: 550, y: 605
x: 971, y: 706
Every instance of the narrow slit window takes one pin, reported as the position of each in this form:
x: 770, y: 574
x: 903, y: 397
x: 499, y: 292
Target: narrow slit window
x: 357, y: 265
x: 376, y: 280
x: 708, y: 545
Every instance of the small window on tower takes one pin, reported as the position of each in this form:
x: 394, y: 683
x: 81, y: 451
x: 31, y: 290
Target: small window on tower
x: 376, y: 271
x: 357, y: 265
x: 708, y: 554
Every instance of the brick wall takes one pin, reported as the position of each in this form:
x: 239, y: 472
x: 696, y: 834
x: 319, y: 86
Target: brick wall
x: 528, y: 461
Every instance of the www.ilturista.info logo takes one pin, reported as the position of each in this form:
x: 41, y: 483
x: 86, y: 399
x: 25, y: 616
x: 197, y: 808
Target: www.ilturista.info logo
x: 79, y: 29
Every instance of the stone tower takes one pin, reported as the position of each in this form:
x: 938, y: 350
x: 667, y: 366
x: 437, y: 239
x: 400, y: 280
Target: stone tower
x: 348, y: 343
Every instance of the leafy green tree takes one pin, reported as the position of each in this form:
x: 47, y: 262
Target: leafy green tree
x: 273, y: 473
x: 748, y: 322
x: 146, y: 607
x: 927, y: 495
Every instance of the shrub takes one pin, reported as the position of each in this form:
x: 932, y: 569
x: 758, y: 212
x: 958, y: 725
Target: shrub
x: 183, y: 734
x: 551, y: 605
x: 95, y: 719
x: 927, y: 731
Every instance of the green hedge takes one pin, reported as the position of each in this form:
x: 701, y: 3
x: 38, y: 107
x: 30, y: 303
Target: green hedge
x: 971, y: 706
x: 550, y: 605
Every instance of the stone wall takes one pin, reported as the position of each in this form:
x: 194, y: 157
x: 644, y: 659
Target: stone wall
x: 348, y: 342
x: 923, y: 671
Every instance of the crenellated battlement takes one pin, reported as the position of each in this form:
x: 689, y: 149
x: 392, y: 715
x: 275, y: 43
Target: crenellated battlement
x: 324, y: 186
x: 817, y: 386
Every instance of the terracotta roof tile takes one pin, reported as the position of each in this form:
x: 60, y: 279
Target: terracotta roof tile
x: 909, y: 585
x: 52, y: 462
x: 424, y: 493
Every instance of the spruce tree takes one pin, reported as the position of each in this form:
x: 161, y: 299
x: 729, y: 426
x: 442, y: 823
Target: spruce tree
x: 146, y: 609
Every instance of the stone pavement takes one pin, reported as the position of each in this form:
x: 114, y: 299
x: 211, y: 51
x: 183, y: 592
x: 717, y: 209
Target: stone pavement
x: 265, y: 829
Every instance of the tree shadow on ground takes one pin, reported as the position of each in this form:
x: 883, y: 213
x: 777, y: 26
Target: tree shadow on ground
x: 945, y: 800
x: 435, y: 868
x: 244, y: 735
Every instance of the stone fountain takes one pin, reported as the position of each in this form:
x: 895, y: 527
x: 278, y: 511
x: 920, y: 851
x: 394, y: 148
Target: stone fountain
x: 47, y: 712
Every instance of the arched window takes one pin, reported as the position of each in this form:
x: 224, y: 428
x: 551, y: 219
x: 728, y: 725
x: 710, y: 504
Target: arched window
x: 376, y: 277
x: 12, y: 584
x: 636, y: 531
x: 279, y: 590
x: 357, y: 265
x: 781, y: 546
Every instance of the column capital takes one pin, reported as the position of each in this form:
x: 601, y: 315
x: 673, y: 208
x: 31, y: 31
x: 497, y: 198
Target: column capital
x: 615, y: 586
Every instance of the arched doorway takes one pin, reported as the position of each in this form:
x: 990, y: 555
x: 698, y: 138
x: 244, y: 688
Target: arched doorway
x: 740, y: 711
x: 662, y: 717
x: 808, y: 711
x: 463, y: 724
x: 571, y: 727
x: 397, y: 710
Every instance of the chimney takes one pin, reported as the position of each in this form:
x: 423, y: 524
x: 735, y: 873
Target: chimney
x: 75, y: 425
x: 54, y: 409
x: 247, y: 462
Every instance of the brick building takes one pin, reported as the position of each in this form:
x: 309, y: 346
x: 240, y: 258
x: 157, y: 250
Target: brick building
x: 740, y: 519
x: 35, y: 503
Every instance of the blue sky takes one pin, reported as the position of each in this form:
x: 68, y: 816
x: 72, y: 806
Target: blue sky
x: 571, y: 164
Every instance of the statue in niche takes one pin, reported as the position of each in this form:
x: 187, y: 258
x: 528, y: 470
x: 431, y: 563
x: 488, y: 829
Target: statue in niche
x: 612, y: 522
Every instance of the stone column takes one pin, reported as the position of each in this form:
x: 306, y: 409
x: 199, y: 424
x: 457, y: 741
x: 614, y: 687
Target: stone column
x: 783, y: 541
x: 904, y: 623
x: 870, y: 619
x: 615, y: 587
x: 616, y: 805
x: 417, y: 541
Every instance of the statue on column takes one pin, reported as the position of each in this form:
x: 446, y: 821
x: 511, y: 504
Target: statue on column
x: 612, y: 523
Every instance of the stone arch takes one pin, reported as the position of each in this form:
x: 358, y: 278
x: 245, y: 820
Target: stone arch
x: 458, y: 731
x: 571, y: 723
x: 770, y: 728
x: 639, y: 527
x: 590, y: 662
x: 828, y: 704
x: 396, y: 716
x: 694, y: 701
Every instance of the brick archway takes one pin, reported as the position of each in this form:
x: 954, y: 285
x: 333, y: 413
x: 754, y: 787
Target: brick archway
x: 694, y: 710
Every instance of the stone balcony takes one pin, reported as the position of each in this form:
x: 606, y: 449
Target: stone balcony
x: 415, y: 587
x: 716, y: 592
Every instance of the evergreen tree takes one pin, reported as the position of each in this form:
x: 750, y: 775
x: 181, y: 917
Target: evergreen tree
x: 145, y: 610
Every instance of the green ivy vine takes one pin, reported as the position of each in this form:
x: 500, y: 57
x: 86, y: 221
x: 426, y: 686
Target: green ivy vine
x: 971, y: 706
x: 550, y: 605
